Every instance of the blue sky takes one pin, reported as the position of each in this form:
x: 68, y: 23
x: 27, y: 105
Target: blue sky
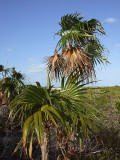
x: 27, y: 30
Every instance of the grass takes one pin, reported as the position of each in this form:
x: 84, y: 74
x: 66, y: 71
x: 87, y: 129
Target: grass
x: 107, y: 101
x: 104, y: 98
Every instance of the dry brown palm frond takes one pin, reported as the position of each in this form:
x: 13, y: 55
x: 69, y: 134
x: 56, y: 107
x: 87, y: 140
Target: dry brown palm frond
x: 3, y: 100
x: 70, y: 59
x: 77, y: 58
x: 56, y: 65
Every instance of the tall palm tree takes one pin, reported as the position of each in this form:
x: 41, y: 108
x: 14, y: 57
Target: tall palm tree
x: 39, y: 108
x: 79, y: 47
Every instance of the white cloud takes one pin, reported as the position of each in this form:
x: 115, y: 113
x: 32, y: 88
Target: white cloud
x: 117, y: 45
x: 10, y: 50
x: 31, y: 60
x: 35, y: 68
x: 111, y: 20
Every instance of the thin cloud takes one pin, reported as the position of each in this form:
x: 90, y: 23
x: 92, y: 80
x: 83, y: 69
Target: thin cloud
x: 111, y: 20
x: 10, y: 50
x: 117, y: 45
x: 31, y: 60
x: 36, y: 68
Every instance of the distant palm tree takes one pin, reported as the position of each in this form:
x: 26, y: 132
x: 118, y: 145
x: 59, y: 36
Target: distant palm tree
x: 4, y: 71
x: 11, y: 83
x: 1, y: 68
x: 79, y: 47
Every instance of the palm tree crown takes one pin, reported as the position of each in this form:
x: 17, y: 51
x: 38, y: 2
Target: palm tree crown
x: 79, y: 47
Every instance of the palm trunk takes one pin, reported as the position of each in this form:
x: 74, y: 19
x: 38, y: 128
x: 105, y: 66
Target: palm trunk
x: 62, y: 82
x: 46, y: 144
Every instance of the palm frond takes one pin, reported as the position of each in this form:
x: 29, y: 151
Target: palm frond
x: 69, y: 60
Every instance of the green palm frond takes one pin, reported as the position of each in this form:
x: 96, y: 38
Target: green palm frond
x: 96, y: 51
x: 69, y: 20
x: 34, y: 107
x: 83, y: 118
x: 72, y: 36
x: 77, y: 32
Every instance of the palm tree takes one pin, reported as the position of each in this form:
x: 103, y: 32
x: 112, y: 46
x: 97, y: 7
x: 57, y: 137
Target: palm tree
x: 4, y: 71
x: 18, y: 79
x: 79, y: 47
x: 1, y: 68
x: 11, y: 83
x: 39, y: 108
